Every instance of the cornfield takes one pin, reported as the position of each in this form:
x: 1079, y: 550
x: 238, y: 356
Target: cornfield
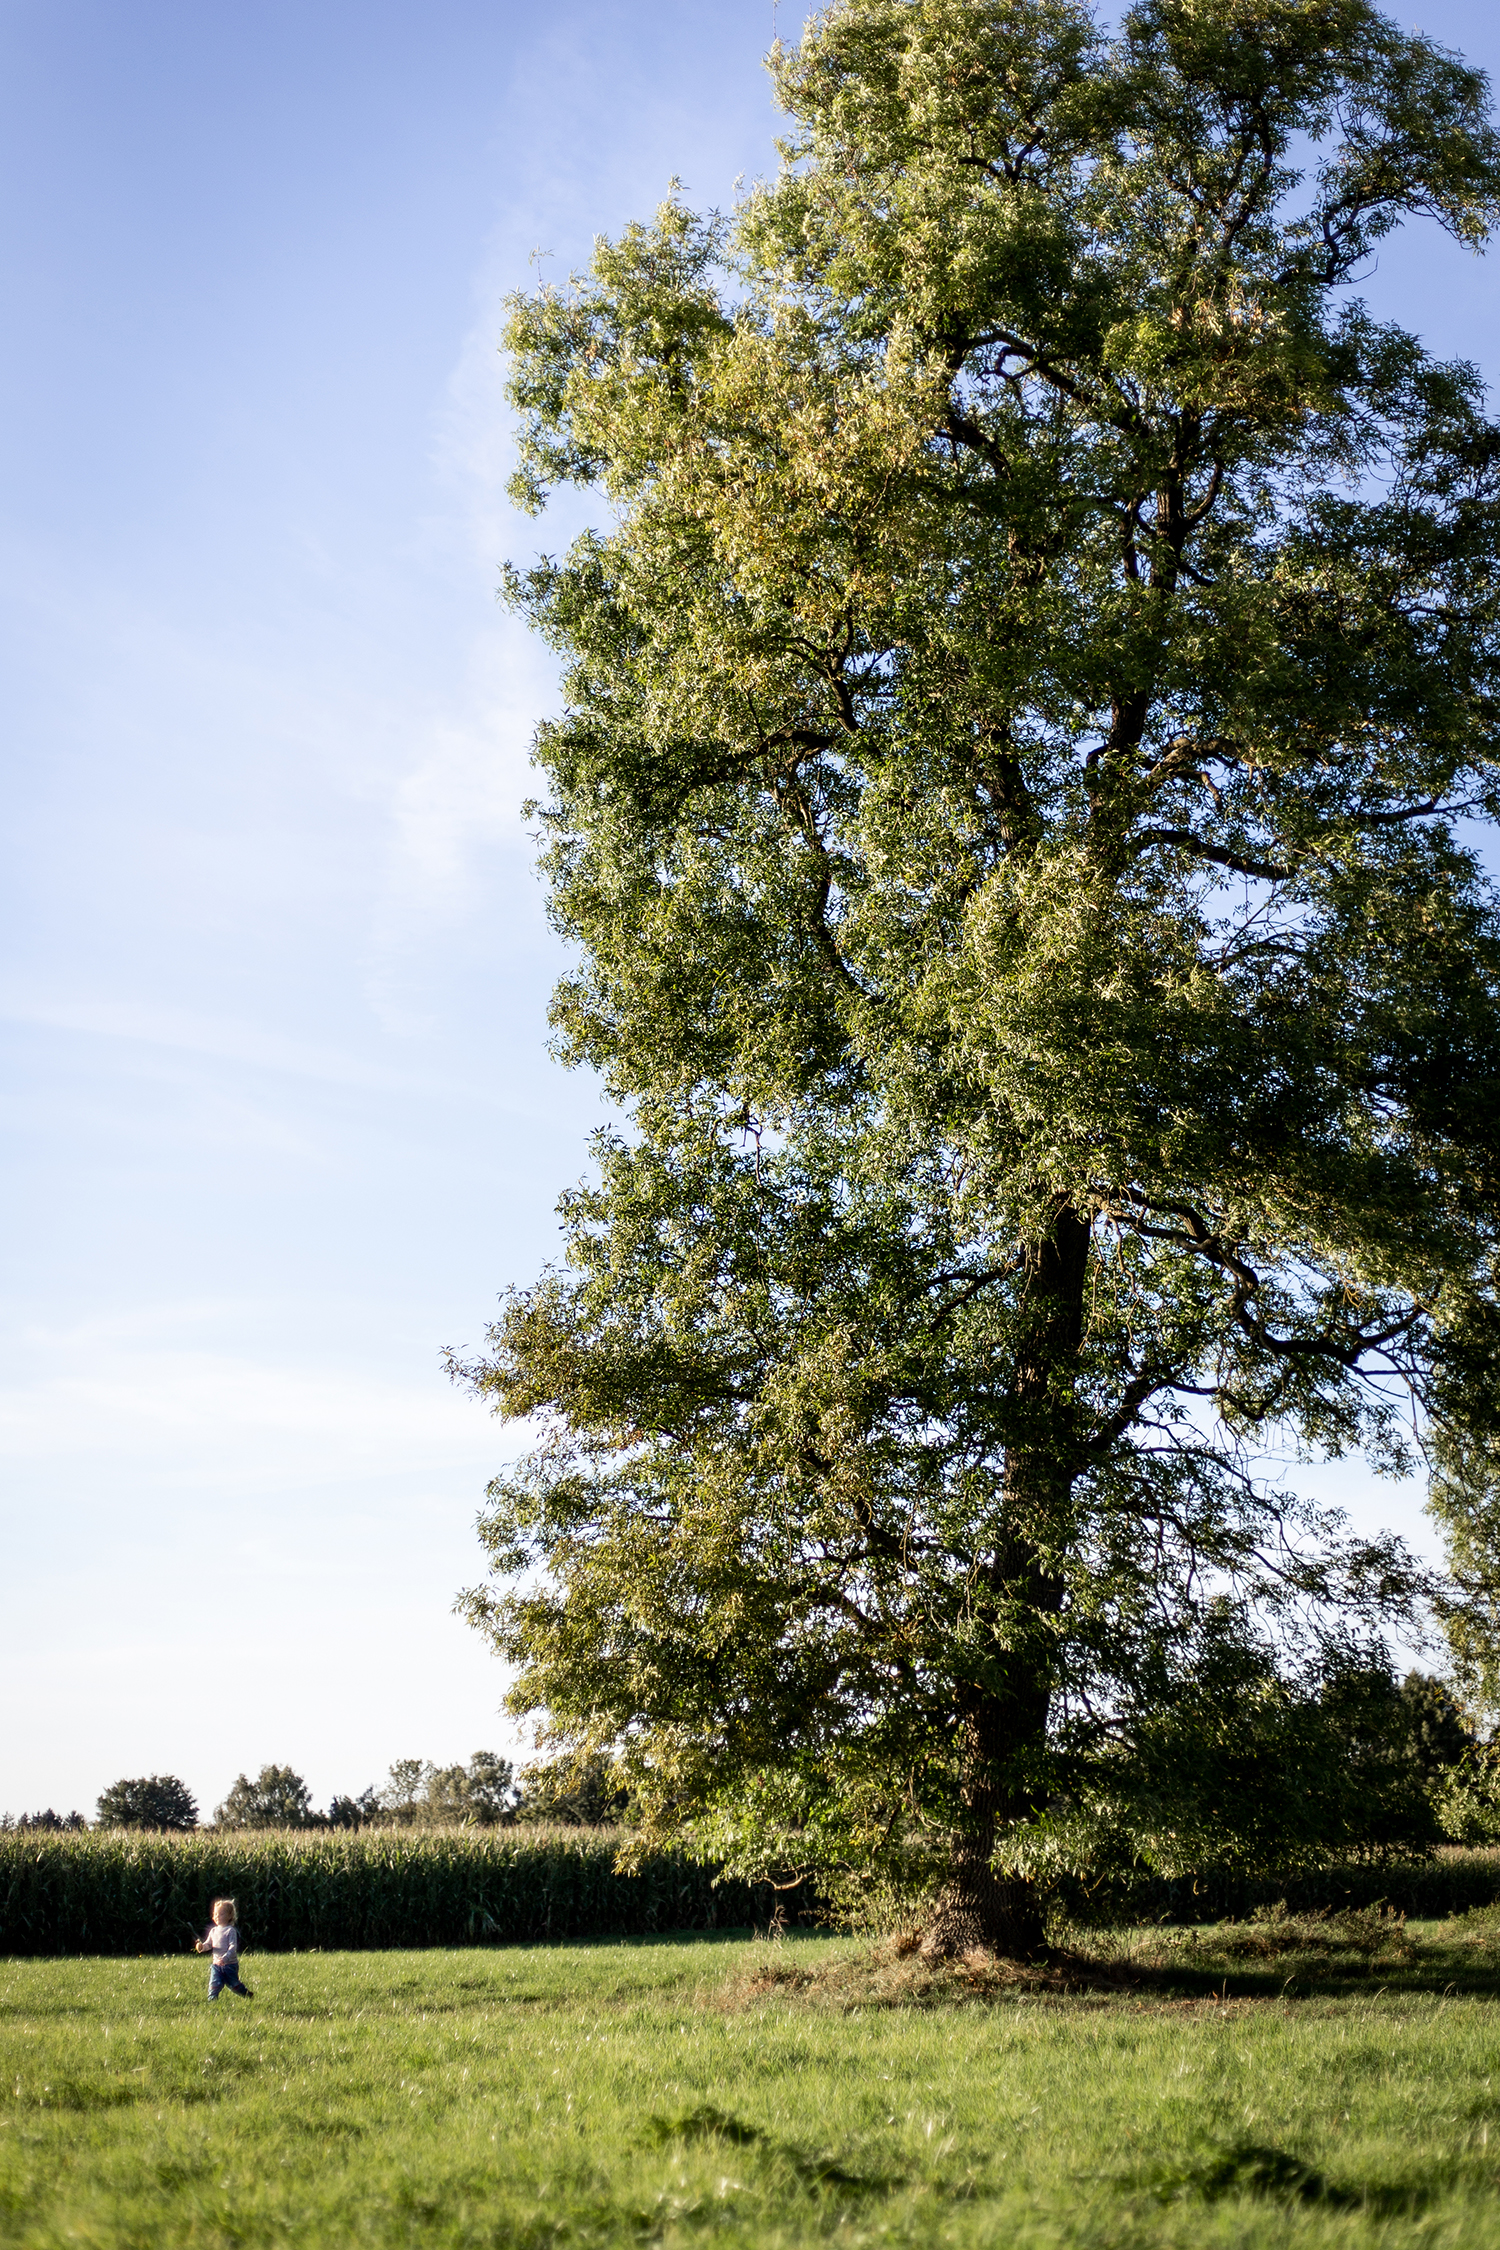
x: 118, y: 1891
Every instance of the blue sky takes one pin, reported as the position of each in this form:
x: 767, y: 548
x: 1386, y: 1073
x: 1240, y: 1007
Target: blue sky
x: 278, y: 1118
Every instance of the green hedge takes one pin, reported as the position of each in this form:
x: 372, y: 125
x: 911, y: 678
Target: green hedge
x: 1451, y: 1882
x: 126, y: 1892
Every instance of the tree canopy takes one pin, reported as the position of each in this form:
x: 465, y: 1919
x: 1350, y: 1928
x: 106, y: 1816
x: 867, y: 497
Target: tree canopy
x: 479, y: 1794
x: 157, y: 1800
x: 276, y: 1798
x: 581, y: 1792
x: 1028, y: 706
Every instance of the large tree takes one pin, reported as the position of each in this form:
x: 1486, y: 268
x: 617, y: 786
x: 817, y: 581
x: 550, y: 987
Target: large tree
x: 1026, y: 713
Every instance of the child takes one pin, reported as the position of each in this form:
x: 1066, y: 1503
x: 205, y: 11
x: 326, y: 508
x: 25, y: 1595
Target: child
x: 222, y: 1940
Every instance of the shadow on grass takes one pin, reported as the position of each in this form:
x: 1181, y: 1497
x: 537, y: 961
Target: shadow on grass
x: 1275, y: 1955
x: 707, y: 2123
x: 1256, y: 2170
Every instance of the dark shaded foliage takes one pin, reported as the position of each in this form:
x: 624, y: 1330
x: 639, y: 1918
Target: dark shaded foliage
x: 352, y: 1812
x: 157, y: 1800
x: 579, y: 1792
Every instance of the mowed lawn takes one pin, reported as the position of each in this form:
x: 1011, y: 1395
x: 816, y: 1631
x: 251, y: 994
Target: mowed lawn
x: 740, y: 2092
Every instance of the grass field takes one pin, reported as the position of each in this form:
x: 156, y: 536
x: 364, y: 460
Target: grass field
x: 1293, y: 2083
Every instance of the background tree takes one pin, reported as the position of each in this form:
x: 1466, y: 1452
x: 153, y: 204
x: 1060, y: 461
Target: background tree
x: 1238, y: 1764
x: 1466, y: 1505
x: 479, y: 1794
x: 353, y: 1812
x: 490, y: 1788
x: 423, y: 1794
x: 1437, y: 1728
x: 277, y: 1798
x: 405, y: 1787
x: 1005, y: 812
x: 580, y: 1792
x: 157, y: 1800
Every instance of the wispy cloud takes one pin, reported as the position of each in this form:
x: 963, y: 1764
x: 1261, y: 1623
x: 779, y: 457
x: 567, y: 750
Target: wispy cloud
x: 463, y: 792
x: 243, y: 1045
x: 227, y: 1424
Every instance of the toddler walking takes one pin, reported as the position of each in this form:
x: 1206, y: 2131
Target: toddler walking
x: 222, y: 1940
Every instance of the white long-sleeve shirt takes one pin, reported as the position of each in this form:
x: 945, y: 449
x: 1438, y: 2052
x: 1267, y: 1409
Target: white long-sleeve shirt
x: 224, y: 1942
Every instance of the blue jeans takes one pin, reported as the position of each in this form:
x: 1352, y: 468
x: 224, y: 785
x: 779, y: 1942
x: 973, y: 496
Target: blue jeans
x: 222, y: 1973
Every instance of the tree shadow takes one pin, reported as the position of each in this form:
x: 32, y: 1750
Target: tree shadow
x: 1259, y: 2171
x: 817, y: 2170
x: 1276, y: 1954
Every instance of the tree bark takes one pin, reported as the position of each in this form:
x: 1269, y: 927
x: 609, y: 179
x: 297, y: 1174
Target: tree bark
x: 1002, y: 1710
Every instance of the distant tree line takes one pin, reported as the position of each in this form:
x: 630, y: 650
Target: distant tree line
x: 1372, y: 1765
x: 487, y: 1792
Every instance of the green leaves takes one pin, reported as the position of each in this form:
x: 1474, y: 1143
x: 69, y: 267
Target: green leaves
x: 1019, y: 716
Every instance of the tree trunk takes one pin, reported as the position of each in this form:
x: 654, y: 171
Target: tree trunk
x: 978, y: 1911
x: 1002, y: 1709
